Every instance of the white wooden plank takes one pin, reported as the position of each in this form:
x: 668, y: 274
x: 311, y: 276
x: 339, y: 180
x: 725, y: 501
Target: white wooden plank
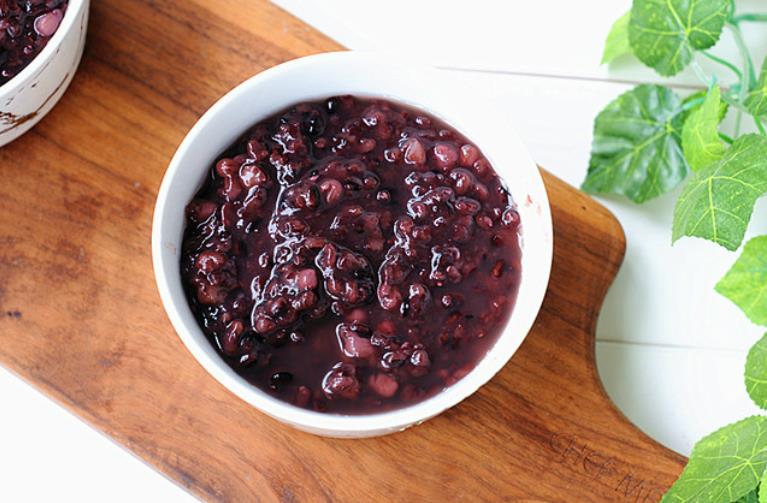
x: 47, y: 454
x: 552, y: 37
x: 675, y: 395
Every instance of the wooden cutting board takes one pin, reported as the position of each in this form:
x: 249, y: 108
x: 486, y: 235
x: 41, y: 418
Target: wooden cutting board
x: 80, y: 317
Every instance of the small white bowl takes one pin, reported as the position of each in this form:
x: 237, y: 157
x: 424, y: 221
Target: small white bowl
x: 33, y: 92
x: 362, y: 74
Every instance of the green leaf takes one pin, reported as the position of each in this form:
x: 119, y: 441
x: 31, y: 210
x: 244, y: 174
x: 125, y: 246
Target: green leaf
x: 746, y: 282
x: 762, y: 493
x: 701, y: 96
x: 636, y: 150
x: 752, y: 497
x: 756, y: 101
x: 725, y: 465
x: 718, y: 201
x: 700, y: 135
x: 756, y: 373
x: 664, y: 34
x: 617, y: 43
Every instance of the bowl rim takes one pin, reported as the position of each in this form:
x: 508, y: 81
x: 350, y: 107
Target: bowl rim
x: 318, y: 422
x: 74, y: 9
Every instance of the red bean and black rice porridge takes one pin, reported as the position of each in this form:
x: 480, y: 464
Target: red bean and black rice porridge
x: 352, y: 255
x: 25, y: 28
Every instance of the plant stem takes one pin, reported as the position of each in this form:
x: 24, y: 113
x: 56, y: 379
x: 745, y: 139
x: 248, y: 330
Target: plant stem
x: 726, y: 138
x: 693, y: 103
x: 724, y: 62
x: 734, y: 102
x: 700, y: 73
x: 748, y: 65
x: 759, y: 125
x: 749, y: 75
x: 758, y: 18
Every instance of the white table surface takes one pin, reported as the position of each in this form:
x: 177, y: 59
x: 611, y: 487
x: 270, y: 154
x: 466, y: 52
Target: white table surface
x: 670, y: 351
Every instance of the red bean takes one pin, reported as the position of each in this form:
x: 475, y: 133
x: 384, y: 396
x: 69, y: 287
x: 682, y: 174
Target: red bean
x: 351, y: 342
x: 383, y: 384
x: 209, y: 261
x: 510, y: 218
x: 420, y: 358
x: 251, y: 175
x: 414, y: 153
x: 332, y: 191
x: 232, y: 188
x: 445, y: 156
x: 469, y: 155
x: 365, y: 145
x: 230, y: 343
x: 341, y: 382
x: 393, y: 154
x: 227, y: 168
x: 482, y: 168
x: 200, y: 210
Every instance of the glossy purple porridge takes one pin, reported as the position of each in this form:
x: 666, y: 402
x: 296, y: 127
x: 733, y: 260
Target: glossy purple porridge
x: 25, y: 28
x: 352, y: 255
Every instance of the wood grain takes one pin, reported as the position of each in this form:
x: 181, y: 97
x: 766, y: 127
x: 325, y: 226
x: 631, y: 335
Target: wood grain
x: 80, y: 317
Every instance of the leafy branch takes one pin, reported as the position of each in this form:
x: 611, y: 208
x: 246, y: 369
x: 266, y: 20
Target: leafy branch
x: 647, y: 142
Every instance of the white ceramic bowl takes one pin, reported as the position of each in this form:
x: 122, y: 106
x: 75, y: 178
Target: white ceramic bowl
x: 318, y: 77
x: 33, y: 92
